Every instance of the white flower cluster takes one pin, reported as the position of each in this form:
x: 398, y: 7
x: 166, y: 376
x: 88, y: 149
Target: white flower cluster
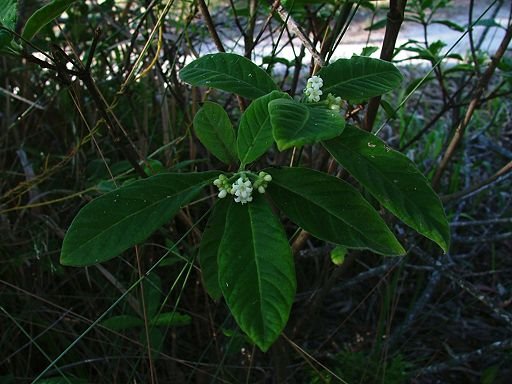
x: 242, y: 188
x: 333, y: 102
x: 312, y: 90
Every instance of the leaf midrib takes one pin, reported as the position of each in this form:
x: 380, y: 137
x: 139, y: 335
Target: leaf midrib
x: 199, y: 186
x: 230, y: 156
x: 260, y: 284
x: 258, y: 76
x: 393, y: 187
x: 253, y: 142
x: 378, y: 74
x: 320, y: 206
x: 302, y: 127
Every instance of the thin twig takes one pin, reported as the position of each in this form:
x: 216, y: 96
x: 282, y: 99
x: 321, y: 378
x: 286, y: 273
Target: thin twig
x: 502, y: 174
x: 294, y: 27
x: 394, y: 22
x: 461, y: 128
x: 488, y: 350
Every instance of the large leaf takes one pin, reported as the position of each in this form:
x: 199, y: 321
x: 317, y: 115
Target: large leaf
x: 359, y: 78
x: 394, y: 181
x: 331, y: 209
x: 256, y: 271
x: 43, y: 16
x: 7, y: 20
x: 209, y: 248
x: 255, y: 131
x: 112, y: 223
x: 214, y: 130
x: 229, y: 72
x: 295, y: 124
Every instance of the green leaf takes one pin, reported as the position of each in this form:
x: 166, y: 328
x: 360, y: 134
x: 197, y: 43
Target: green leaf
x: 277, y: 60
x: 377, y: 25
x: 331, y: 209
x: 256, y: 271
x: 338, y: 255
x: 450, y: 24
x: 155, y: 340
x: 209, y: 248
x: 8, y: 9
x: 229, y: 72
x: 114, y: 222
x: 369, y: 50
x: 43, y: 16
x: 359, y: 78
x: 389, y: 109
x: 295, y: 124
x: 170, y: 319
x: 214, y: 130
x: 152, y: 294
x: 488, y: 23
x: 122, y: 322
x: 394, y: 181
x: 255, y: 131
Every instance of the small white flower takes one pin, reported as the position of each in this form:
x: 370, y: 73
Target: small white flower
x: 261, y: 189
x: 313, y: 91
x: 267, y: 178
x: 315, y: 82
x: 313, y: 95
x: 242, y: 189
x: 223, y: 193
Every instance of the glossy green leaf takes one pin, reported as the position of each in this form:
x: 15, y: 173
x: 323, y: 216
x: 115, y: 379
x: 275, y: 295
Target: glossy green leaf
x: 209, y: 248
x: 295, y: 124
x: 122, y: 322
x: 229, y: 72
x: 255, y: 131
x: 8, y: 9
x: 213, y: 128
x: 170, y: 319
x: 43, y: 16
x: 256, y: 271
x: 331, y: 209
x: 359, y: 78
x: 114, y: 222
x: 394, y: 181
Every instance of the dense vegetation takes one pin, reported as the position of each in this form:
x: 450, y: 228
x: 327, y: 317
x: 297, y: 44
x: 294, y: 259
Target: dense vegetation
x: 371, y: 280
